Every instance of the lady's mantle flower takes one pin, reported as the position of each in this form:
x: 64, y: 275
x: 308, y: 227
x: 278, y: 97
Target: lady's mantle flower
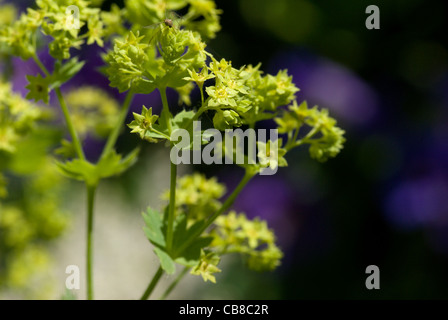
x: 125, y: 62
x: 95, y: 32
x: 226, y: 119
x: 270, y: 155
x: 199, y: 77
x: 221, y: 96
x: 143, y: 122
x: 234, y: 233
x: 294, y: 118
x: 207, y: 266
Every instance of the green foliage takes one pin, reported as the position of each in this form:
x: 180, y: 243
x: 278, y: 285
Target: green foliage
x: 111, y: 165
x: 64, y: 72
x: 155, y: 231
x: 38, y: 88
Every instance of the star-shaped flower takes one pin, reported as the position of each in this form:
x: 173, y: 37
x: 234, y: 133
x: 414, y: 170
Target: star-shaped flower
x: 271, y: 155
x: 199, y: 77
x: 221, y: 96
x: 207, y: 266
x: 143, y: 122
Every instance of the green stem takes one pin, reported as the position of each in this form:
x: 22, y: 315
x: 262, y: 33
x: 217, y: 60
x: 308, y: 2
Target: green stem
x: 152, y: 284
x: 201, y: 88
x: 116, y: 131
x: 226, y: 205
x: 196, y: 115
x: 174, y: 283
x: 172, y: 206
x: 161, y: 133
x: 68, y: 121
x: 41, y: 65
x: 70, y: 126
x: 166, y: 108
x: 89, y: 259
x: 292, y: 140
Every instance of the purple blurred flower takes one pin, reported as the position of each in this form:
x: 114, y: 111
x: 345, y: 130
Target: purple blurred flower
x: 419, y: 202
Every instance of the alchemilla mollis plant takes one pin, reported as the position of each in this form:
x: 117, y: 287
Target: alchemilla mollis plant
x: 145, y: 48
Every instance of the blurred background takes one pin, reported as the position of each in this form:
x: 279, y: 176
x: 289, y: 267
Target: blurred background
x: 383, y: 201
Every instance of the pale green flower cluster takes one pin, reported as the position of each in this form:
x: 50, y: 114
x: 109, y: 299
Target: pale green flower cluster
x: 133, y: 64
x: 251, y: 238
x: 30, y: 219
x: 321, y: 133
x: 92, y: 110
x: 55, y: 19
x: 202, y: 16
x: 197, y: 197
x: 18, y: 117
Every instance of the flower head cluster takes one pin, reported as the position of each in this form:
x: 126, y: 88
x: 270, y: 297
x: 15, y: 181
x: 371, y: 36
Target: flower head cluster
x: 133, y: 64
x: 242, y: 96
x: 324, y: 137
x: 253, y: 239
x: 203, y: 17
x: 17, y: 117
x: 92, y: 111
x: 145, y: 13
x: 197, y: 196
x: 125, y: 64
x: 30, y: 219
x: 56, y: 19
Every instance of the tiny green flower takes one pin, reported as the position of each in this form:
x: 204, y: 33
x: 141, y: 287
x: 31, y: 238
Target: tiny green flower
x: 200, y: 77
x: 219, y: 67
x: 207, y: 266
x: 293, y: 118
x: 197, y: 195
x: 38, y: 88
x: 95, y: 30
x: 256, y: 232
x: 226, y: 119
x: 271, y: 155
x: 143, y: 122
x: 221, y: 96
x: 265, y: 260
x: 328, y: 146
x: 184, y: 93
